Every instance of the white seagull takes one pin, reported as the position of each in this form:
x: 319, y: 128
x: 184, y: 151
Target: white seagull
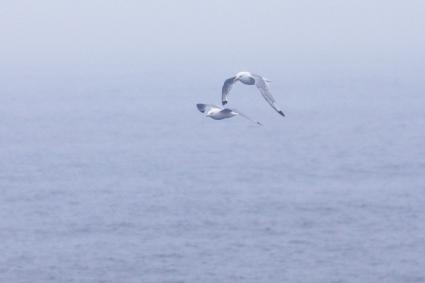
x: 249, y: 78
x: 218, y: 113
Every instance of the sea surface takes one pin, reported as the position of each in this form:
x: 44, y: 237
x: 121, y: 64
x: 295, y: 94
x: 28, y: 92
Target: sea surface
x: 133, y: 184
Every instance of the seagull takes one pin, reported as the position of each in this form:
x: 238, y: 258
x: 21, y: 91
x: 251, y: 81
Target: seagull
x: 249, y: 78
x: 218, y: 113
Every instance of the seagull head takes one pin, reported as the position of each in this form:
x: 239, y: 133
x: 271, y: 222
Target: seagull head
x: 240, y: 74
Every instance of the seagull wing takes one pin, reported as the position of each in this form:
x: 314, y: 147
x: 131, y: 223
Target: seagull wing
x: 263, y: 87
x: 227, y: 86
x: 243, y: 115
x: 206, y: 107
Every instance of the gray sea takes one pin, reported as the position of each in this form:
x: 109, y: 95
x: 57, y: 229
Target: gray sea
x: 126, y: 183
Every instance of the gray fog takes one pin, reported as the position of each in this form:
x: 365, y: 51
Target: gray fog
x: 295, y: 41
x: 108, y: 172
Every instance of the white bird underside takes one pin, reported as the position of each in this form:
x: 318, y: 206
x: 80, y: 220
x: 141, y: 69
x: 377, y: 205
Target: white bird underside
x: 250, y: 79
x: 218, y: 113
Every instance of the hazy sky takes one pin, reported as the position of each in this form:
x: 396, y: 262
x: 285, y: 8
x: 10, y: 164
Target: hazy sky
x: 130, y: 38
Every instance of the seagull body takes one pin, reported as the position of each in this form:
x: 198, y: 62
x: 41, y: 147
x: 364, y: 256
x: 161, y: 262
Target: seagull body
x: 218, y: 113
x: 249, y: 78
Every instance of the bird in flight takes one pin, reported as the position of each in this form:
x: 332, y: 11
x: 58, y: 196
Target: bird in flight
x: 218, y: 113
x: 249, y: 78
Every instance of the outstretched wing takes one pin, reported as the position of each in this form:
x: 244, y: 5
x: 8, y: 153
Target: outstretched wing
x: 243, y: 115
x: 206, y: 107
x: 227, y: 86
x: 263, y: 87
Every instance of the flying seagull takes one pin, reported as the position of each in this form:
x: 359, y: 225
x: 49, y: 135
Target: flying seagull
x: 218, y: 113
x: 249, y: 78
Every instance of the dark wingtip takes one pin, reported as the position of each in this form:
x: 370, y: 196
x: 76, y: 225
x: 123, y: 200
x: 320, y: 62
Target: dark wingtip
x: 281, y: 113
x: 199, y: 106
x: 224, y: 102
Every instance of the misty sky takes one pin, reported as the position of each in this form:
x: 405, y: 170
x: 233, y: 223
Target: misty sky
x: 299, y: 39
